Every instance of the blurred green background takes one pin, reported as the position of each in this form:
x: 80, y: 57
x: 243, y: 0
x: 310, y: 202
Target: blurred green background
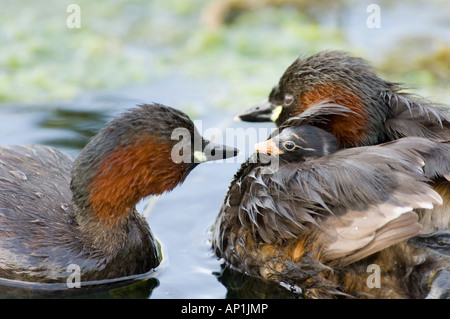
x: 245, y: 45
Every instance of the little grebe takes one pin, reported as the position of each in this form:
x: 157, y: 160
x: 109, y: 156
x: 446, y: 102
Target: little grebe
x: 343, y: 95
x: 320, y: 217
x: 55, y: 212
x: 375, y: 110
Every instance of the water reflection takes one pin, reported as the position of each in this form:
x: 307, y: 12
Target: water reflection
x: 82, y: 124
x: 241, y: 286
x: 141, y: 289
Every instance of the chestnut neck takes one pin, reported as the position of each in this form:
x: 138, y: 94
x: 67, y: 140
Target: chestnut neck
x: 107, y: 188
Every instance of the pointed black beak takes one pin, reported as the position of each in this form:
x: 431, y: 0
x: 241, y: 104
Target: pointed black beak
x: 261, y: 112
x: 213, y: 152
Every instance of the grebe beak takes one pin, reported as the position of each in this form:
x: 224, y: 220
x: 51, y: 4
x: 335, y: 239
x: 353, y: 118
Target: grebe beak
x: 268, y: 147
x: 261, y: 112
x: 214, y: 151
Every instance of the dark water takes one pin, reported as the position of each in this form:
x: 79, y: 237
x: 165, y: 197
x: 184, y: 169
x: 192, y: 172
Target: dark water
x: 181, y: 220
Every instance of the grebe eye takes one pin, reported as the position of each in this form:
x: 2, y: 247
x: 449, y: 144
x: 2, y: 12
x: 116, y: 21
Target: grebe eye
x: 289, y: 145
x: 288, y: 99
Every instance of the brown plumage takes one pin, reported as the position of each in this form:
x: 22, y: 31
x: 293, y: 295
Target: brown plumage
x: 316, y: 218
x: 343, y: 95
x: 382, y: 109
x: 55, y: 212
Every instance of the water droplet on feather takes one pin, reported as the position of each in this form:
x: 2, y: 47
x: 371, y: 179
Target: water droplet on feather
x: 20, y: 175
x: 39, y: 195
